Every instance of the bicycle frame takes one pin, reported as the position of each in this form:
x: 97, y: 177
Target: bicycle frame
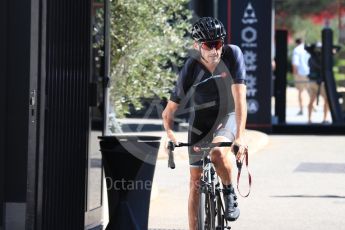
x: 210, y: 185
x: 209, y: 191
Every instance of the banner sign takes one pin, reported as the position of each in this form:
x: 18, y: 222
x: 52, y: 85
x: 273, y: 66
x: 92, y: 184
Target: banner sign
x: 251, y: 29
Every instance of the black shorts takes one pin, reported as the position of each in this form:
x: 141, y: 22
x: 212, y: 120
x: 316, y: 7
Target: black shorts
x: 203, y: 129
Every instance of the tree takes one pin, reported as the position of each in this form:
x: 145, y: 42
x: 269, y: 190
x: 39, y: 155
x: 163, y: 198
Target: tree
x: 307, y: 18
x: 288, y: 12
x: 303, y: 7
x: 148, y: 40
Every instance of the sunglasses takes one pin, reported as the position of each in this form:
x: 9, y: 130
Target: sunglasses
x: 212, y: 44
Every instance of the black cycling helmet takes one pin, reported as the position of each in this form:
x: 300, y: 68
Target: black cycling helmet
x: 208, y: 29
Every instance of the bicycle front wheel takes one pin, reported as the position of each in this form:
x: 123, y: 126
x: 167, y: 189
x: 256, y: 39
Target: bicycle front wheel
x: 206, y: 212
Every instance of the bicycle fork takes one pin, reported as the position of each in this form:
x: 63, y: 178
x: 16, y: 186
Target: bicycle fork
x: 220, y: 209
x: 211, y: 185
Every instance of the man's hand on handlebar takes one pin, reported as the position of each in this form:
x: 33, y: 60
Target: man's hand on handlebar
x: 239, y: 149
x: 171, y: 136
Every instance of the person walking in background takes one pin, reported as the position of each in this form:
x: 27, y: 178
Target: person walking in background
x: 300, y: 70
x: 316, y: 85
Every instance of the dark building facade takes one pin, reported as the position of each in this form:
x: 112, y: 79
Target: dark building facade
x: 48, y: 99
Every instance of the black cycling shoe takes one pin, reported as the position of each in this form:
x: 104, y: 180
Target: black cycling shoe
x: 231, y: 212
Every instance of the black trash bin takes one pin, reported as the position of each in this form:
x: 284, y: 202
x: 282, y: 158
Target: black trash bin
x: 129, y: 164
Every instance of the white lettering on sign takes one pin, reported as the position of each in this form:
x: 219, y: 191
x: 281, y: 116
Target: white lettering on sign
x: 251, y: 92
x: 249, y: 34
x: 249, y: 57
x: 253, y: 106
x: 251, y: 81
x: 251, y: 67
x: 251, y: 85
x: 249, y: 37
x: 250, y: 60
x: 249, y: 15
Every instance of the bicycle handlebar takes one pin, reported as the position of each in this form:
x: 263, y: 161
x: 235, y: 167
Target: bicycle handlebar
x: 172, y: 146
x: 239, y: 163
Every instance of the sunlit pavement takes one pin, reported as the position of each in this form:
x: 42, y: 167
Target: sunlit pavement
x: 167, y: 182
x: 292, y: 108
x: 298, y: 183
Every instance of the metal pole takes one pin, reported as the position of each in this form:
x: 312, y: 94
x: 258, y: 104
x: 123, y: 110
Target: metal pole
x: 280, y: 75
x: 215, y: 8
x: 327, y: 70
x: 106, y: 66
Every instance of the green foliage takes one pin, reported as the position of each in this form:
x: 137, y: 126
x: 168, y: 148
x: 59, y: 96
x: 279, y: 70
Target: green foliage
x: 291, y: 14
x: 148, y: 39
x: 305, y: 28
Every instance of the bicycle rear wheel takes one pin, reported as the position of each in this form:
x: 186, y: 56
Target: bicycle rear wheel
x: 206, y: 212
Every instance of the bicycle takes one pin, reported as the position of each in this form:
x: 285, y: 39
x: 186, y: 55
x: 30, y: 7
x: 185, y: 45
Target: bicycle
x: 211, y: 208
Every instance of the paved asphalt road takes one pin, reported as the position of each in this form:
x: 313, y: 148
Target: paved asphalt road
x: 298, y: 184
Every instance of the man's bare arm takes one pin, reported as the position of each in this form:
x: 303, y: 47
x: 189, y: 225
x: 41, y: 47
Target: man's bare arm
x: 239, y: 94
x: 168, y: 116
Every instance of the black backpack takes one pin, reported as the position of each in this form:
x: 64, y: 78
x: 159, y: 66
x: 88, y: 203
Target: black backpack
x: 315, y: 69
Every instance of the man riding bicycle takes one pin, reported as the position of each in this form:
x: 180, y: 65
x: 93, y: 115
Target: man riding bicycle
x: 213, y: 80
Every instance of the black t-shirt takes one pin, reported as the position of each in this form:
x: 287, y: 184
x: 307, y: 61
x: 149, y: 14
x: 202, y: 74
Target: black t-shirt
x: 210, y: 91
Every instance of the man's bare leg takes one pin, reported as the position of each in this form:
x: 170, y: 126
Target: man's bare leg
x: 193, y: 200
x: 221, y: 160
